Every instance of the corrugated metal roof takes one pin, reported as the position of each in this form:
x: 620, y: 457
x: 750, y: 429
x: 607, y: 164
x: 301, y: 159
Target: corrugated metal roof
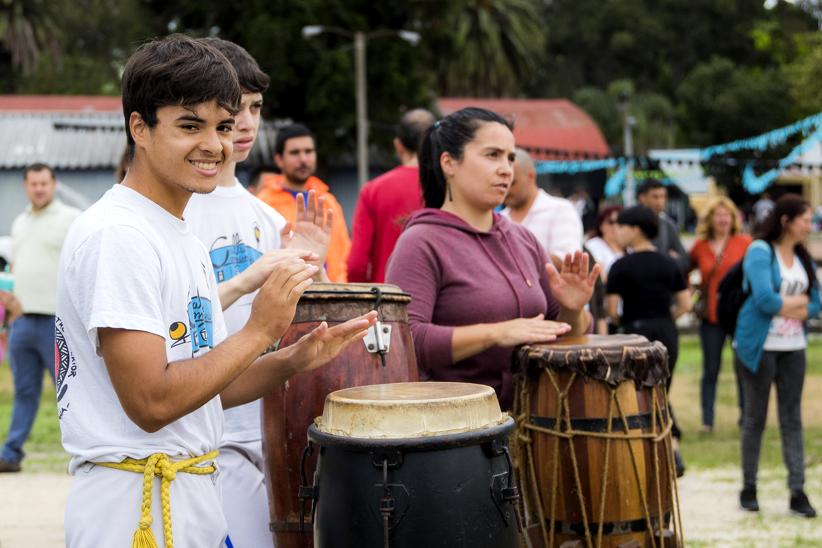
x: 64, y: 140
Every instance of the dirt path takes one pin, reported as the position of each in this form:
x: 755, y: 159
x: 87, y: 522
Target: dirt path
x: 31, y: 511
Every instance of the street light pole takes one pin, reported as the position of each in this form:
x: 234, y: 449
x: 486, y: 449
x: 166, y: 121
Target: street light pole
x: 362, y: 109
x: 628, y: 121
x: 361, y: 87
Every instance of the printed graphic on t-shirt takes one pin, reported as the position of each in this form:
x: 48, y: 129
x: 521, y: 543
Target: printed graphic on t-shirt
x: 65, y: 366
x: 198, y: 329
x: 788, y: 327
x: 229, y: 259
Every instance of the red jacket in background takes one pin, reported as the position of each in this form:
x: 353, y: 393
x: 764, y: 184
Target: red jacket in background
x: 385, y: 203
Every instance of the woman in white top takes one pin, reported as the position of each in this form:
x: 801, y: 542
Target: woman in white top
x: 604, y: 247
x: 770, y: 343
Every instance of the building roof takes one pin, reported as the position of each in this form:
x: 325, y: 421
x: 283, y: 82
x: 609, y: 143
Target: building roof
x: 64, y: 131
x: 63, y: 141
x: 549, y: 129
x: 60, y: 103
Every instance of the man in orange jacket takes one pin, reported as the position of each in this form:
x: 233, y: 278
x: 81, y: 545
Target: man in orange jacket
x: 296, y: 157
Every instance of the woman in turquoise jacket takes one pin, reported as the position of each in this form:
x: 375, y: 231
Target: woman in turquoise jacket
x: 770, y: 342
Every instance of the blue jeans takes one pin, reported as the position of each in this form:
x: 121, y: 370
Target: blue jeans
x: 712, y: 337
x: 31, y: 350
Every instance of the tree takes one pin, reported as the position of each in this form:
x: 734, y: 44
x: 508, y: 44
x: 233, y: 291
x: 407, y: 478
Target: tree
x: 804, y: 75
x: 720, y: 101
x: 493, y: 46
x: 28, y: 28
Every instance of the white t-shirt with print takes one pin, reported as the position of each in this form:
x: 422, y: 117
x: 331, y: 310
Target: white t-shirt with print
x: 236, y: 228
x: 129, y: 264
x: 786, y: 334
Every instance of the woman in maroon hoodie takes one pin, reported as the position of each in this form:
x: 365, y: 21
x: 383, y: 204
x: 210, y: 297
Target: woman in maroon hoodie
x: 480, y: 285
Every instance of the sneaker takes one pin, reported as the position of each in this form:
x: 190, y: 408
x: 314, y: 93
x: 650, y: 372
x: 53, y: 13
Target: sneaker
x: 679, y: 463
x: 801, y: 506
x: 747, y: 499
x: 6, y: 466
x: 706, y: 429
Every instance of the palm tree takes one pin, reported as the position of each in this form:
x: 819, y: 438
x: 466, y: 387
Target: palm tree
x: 496, y: 43
x: 28, y: 28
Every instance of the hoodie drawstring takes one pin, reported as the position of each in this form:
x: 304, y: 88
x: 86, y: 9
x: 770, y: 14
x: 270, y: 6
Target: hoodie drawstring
x: 494, y: 261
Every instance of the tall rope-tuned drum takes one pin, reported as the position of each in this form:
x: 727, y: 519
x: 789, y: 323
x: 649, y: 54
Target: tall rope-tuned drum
x: 413, y: 465
x: 385, y: 356
x: 593, y: 451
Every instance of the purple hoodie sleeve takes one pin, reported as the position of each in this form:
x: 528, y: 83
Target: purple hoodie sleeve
x: 413, y: 266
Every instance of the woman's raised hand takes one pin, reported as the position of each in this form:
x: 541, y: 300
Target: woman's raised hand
x: 573, y: 286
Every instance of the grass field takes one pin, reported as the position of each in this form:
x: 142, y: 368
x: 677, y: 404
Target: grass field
x: 708, y: 492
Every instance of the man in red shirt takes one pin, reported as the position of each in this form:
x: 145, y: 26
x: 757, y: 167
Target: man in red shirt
x: 386, y: 202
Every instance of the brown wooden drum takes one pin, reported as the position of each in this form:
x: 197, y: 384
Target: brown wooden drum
x: 595, y: 462
x: 385, y: 356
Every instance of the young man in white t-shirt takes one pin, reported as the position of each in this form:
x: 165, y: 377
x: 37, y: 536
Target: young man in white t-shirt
x: 144, y: 364
x: 239, y: 231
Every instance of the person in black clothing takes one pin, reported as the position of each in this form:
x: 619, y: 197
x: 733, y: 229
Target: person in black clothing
x: 647, y: 281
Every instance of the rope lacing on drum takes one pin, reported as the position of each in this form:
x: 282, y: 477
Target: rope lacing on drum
x: 531, y: 497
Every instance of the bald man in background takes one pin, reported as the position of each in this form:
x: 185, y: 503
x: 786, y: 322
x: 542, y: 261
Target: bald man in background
x: 554, y: 221
x: 386, y: 201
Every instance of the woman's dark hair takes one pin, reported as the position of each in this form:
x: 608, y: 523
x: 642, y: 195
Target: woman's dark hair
x: 176, y: 70
x: 605, y: 214
x: 450, y: 135
x: 641, y: 217
x: 790, y: 206
x: 252, y: 78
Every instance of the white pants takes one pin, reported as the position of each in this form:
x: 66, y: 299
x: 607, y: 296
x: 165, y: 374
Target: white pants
x: 103, y: 509
x: 245, y: 500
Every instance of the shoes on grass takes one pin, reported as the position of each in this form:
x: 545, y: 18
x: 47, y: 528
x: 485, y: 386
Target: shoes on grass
x: 706, y: 429
x: 747, y: 499
x: 801, y: 506
x: 6, y: 466
x: 679, y: 463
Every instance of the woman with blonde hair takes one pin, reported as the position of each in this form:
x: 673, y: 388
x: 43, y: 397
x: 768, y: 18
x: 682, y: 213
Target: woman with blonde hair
x: 719, y: 245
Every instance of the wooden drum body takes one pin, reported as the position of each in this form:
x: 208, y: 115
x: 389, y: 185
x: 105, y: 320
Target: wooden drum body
x: 595, y: 460
x: 414, y: 465
x: 288, y: 411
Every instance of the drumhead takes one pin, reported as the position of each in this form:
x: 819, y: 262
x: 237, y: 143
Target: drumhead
x: 410, y: 410
x: 364, y: 291
x: 609, y: 358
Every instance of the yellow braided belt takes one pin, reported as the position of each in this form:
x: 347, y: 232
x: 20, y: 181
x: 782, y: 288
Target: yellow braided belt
x: 160, y: 465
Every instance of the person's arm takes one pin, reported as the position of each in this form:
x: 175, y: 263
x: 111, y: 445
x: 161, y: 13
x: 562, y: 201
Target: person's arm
x: 313, y: 350
x: 814, y: 304
x: 255, y: 275
x: 362, y: 239
x: 758, y: 269
x: 572, y: 287
x: 12, y: 305
x: 339, y: 246
x: 613, y: 308
x: 469, y: 340
x: 677, y: 250
x: 795, y: 307
x: 693, y: 256
x: 311, y: 230
x: 155, y: 393
x: 682, y: 303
